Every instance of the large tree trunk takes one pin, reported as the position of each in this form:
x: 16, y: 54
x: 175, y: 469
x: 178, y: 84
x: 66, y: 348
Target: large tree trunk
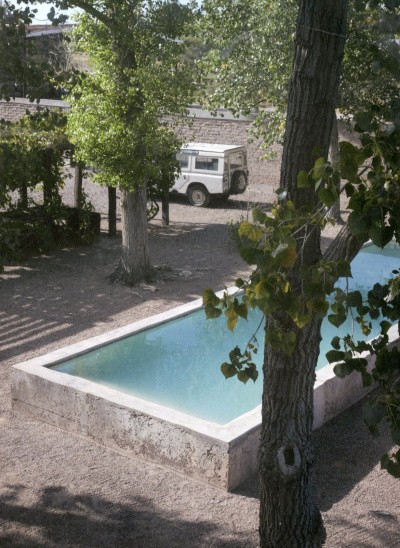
x: 134, y: 265
x: 288, y: 516
x: 335, y: 158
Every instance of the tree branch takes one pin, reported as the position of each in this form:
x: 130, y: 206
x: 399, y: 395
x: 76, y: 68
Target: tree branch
x: 345, y: 246
x: 88, y: 7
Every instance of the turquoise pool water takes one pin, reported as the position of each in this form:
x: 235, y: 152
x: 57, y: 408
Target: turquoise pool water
x: 177, y: 364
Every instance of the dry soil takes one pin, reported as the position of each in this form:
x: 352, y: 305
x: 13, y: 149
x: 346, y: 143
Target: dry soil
x: 60, y: 490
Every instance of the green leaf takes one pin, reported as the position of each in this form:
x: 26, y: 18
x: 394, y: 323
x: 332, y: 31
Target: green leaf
x: 354, y: 298
x: 212, y: 312
x: 380, y: 235
x: 303, y: 180
x: 262, y: 290
x: 258, y: 215
x: 281, y: 339
x: 252, y: 373
x: 349, y: 189
x: 250, y: 254
x: 231, y: 316
x: 341, y: 370
x: 343, y: 269
x: 319, y: 171
x: 385, y: 326
x: 301, y: 320
x: 239, y: 282
x: 210, y: 298
x: 235, y: 354
x: 319, y: 307
x: 243, y: 376
x: 228, y: 370
x: 285, y: 255
x: 349, y: 161
x: 363, y: 120
x: 335, y: 343
x: 335, y: 355
x: 337, y: 319
x: 251, y: 231
x: 358, y: 225
x: 328, y: 196
x: 241, y: 310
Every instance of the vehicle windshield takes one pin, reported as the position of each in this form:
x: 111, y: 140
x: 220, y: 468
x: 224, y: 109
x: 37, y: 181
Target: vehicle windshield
x: 183, y: 160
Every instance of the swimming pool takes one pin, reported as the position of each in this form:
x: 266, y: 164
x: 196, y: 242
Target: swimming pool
x: 211, y: 431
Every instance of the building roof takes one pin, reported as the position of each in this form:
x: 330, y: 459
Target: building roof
x: 34, y: 31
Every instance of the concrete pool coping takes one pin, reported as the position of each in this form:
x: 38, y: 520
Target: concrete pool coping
x: 224, y: 455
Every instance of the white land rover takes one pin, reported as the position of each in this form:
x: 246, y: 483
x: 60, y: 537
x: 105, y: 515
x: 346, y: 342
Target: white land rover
x: 209, y: 170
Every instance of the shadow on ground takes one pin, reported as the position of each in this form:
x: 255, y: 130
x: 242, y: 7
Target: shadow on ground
x: 61, y: 518
x: 240, y: 202
x: 345, y: 452
x: 56, y: 296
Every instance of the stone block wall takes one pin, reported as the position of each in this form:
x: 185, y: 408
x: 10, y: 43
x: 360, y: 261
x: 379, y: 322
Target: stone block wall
x: 222, y: 129
x: 234, y: 131
x: 205, y: 128
x: 12, y: 110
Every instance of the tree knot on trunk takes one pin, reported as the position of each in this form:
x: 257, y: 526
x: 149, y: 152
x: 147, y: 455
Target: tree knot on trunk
x: 289, y: 459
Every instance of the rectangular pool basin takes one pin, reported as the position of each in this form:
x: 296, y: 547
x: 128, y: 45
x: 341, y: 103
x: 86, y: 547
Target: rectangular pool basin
x: 219, y: 449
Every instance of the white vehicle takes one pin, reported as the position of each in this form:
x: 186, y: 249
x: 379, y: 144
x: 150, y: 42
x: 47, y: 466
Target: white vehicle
x: 209, y: 170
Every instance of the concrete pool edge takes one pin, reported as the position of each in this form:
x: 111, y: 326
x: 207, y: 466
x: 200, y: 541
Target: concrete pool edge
x: 223, y: 455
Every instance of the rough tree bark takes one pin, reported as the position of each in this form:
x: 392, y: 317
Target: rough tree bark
x: 334, y: 158
x: 134, y: 265
x: 288, y: 515
x: 112, y: 211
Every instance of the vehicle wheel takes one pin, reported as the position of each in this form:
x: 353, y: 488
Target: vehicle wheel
x: 239, y: 182
x: 198, y: 196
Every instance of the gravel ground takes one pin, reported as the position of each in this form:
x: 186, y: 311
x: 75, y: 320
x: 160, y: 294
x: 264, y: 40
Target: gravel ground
x: 61, y: 490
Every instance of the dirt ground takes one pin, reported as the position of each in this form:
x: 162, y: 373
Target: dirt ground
x: 61, y: 490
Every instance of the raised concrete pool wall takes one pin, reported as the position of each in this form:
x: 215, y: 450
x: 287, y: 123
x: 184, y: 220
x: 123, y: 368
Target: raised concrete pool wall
x: 221, y: 455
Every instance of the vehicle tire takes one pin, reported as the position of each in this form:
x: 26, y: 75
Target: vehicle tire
x: 239, y: 182
x: 198, y: 196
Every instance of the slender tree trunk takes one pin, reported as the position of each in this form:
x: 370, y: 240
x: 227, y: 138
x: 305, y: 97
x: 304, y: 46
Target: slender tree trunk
x: 49, y: 189
x: 288, y: 515
x: 335, y: 157
x: 165, y: 208
x: 112, y: 211
x: 134, y: 265
x: 78, y: 180
x: 23, y: 196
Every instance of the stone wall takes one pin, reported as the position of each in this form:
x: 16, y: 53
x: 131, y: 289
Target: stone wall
x: 12, y: 110
x: 222, y: 129
x: 225, y: 129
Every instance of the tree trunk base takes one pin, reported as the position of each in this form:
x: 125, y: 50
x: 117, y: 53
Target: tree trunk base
x: 122, y: 276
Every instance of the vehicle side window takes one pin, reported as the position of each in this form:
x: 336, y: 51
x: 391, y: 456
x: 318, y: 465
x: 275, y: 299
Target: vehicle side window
x: 183, y: 160
x: 206, y: 163
x: 235, y: 160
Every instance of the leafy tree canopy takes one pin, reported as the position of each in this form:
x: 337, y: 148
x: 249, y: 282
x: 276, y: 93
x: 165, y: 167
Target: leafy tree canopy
x: 25, y: 70
x: 138, y: 77
x: 250, y: 58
